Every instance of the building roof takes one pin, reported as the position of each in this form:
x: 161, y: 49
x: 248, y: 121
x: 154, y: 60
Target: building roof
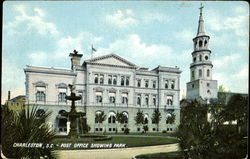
x: 17, y: 97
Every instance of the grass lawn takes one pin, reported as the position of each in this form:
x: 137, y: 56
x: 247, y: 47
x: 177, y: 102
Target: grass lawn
x: 130, y: 141
x: 162, y: 155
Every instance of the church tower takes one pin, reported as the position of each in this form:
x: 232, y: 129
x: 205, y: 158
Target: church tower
x: 201, y: 84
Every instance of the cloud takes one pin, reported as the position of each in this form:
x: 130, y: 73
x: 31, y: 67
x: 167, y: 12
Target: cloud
x: 141, y: 53
x: 30, y: 20
x: 238, y: 23
x: 185, y: 35
x: 122, y: 18
x: 12, y: 80
x: 63, y: 46
x: 38, y: 58
x: 226, y: 61
x: 155, y: 17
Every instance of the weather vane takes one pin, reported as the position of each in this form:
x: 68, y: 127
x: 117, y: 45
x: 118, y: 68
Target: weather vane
x: 201, y: 8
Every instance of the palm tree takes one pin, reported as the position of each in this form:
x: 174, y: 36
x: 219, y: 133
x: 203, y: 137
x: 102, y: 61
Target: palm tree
x: 26, y: 127
x: 100, y: 117
x: 121, y: 118
x: 171, y: 118
x: 139, y: 118
x: 156, y: 117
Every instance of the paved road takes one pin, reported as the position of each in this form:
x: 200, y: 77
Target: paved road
x: 123, y: 153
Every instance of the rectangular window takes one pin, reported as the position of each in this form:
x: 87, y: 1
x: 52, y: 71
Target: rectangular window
x: 61, y: 97
x: 146, y: 83
x: 98, y: 97
x: 138, y: 83
x: 40, y: 96
x: 111, y: 97
x: 154, y: 84
x: 172, y: 84
x: 109, y: 79
x: 166, y: 84
x: 192, y: 74
x: 124, y: 98
x: 169, y: 99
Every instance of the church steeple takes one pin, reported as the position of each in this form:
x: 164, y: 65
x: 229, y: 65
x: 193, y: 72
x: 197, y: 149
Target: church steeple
x: 201, y: 30
x: 201, y: 83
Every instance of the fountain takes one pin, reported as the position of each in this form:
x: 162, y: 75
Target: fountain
x: 73, y: 114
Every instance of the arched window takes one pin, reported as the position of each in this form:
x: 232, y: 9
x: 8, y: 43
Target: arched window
x: 154, y: 100
x: 200, y: 43
x: 200, y: 73
x: 109, y: 79
x: 205, y: 43
x: 145, y: 119
x: 114, y: 80
x: 200, y: 57
x: 126, y: 117
x: 111, y: 118
x: 127, y: 81
x: 98, y: 117
x: 146, y: 100
x: 138, y: 100
x: 96, y: 78
x: 208, y: 72
x: 101, y: 79
x: 122, y: 80
x: 40, y: 113
x: 194, y: 59
x: 192, y: 74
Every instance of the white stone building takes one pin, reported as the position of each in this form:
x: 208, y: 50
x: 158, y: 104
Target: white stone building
x: 107, y: 83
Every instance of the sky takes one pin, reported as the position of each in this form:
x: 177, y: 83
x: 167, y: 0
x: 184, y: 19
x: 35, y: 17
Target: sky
x: 147, y: 33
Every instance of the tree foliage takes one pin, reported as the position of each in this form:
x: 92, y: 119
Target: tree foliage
x: 100, y: 117
x: 139, y: 118
x: 156, y: 117
x: 171, y: 118
x: 25, y: 127
x: 201, y: 138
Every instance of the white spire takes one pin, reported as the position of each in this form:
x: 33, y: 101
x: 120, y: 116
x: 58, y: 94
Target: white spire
x: 201, y: 30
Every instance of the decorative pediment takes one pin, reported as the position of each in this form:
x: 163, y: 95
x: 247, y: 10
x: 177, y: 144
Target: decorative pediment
x: 124, y: 90
x: 40, y: 84
x: 112, y: 90
x: 62, y: 85
x: 98, y: 89
x: 111, y: 59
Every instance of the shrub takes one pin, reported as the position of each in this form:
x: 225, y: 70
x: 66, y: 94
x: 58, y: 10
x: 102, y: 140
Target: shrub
x: 126, y: 131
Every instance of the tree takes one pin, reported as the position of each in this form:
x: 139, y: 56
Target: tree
x: 171, y: 118
x: 121, y: 118
x: 139, y: 118
x: 195, y: 133
x: 156, y: 117
x: 145, y: 128
x: 26, y: 127
x: 100, y: 117
x: 201, y: 139
x: 236, y: 109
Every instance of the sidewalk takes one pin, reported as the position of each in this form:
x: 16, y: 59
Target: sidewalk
x: 123, y: 153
